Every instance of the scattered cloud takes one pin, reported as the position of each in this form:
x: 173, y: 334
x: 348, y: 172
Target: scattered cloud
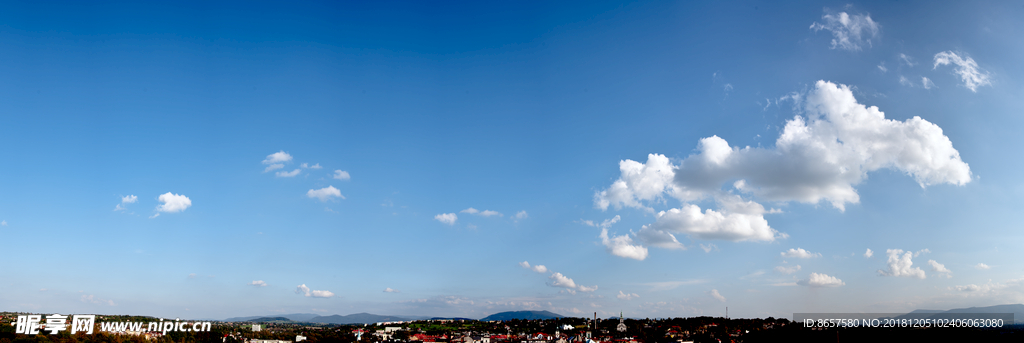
x: 819, y: 156
x: 939, y: 268
x: 900, y: 264
x: 173, y: 203
x: 288, y: 174
x: 849, y: 32
x: 623, y: 246
x: 869, y: 253
x: 982, y: 266
x: 303, y: 290
x: 390, y: 290
x: 799, y: 253
x: 927, y: 83
x: 881, y: 66
x: 627, y: 296
x: 125, y: 200
x: 718, y: 296
x: 559, y: 280
x: 821, y: 280
x: 520, y: 215
x: 3, y: 223
x: 94, y: 300
x: 315, y: 166
x: 325, y: 193
x: 972, y: 76
x: 258, y: 283
x: 670, y: 285
x: 277, y: 157
x: 273, y: 167
x: 447, y: 218
x: 192, y: 276
x: 905, y: 81
x: 342, y: 175
x: 788, y: 270
x: 906, y: 60
x: 708, y: 247
x: 922, y: 251
x: 488, y: 213
x: 537, y: 268
x: 485, y: 213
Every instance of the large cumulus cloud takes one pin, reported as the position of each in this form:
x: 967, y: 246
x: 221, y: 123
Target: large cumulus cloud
x: 820, y: 156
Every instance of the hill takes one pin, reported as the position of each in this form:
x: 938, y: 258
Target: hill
x: 1016, y: 309
x: 522, y: 315
x: 297, y: 317
x: 358, y: 318
x: 271, y: 320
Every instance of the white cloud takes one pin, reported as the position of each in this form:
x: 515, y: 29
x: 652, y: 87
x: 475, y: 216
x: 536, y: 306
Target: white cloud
x: 821, y: 280
x: 273, y: 167
x: 173, y: 203
x: 882, y: 67
x: 520, y: 215
x: 707, y: 248
x: 258, y: 283
x: 905, y: 81
x: 303, y: 290
x: 926, y: 83
x: 538, y: 268
x: 627, y: 296
x: 488, y: 213
x: 736, y: 220
x: 325, y: 193
x: 941, y: 269
x: 849, y: 32
x: 906, y: 60
x: 277, y: 157
x: 559, y: 280
x: 3, y: 223
x: 192, y: 275
x: 128, y: 199
x: 819, y: 156
x: 869, y: 253
x: 922, y: 251
x: 658, y: 238
x: 714, y: 294
x: 968, y: 70
x: 788, y: 270
x: 982, y: 266
x: 342, y: 175
x: 485, y: 213
x: 288, y: 174
x: 390, y: 290
x: 315, y: 166
x: 799, y: 253
x: 322, y: 294
x: 900, y: 264
x: 623, y: 246
x: 447, y: 218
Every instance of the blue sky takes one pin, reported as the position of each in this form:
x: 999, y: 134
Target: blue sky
x: 662, y: 159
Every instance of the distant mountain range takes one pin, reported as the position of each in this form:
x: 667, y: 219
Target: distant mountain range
x: 522, y: 315
x: 1016, y: 309
x: 368, y: 318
